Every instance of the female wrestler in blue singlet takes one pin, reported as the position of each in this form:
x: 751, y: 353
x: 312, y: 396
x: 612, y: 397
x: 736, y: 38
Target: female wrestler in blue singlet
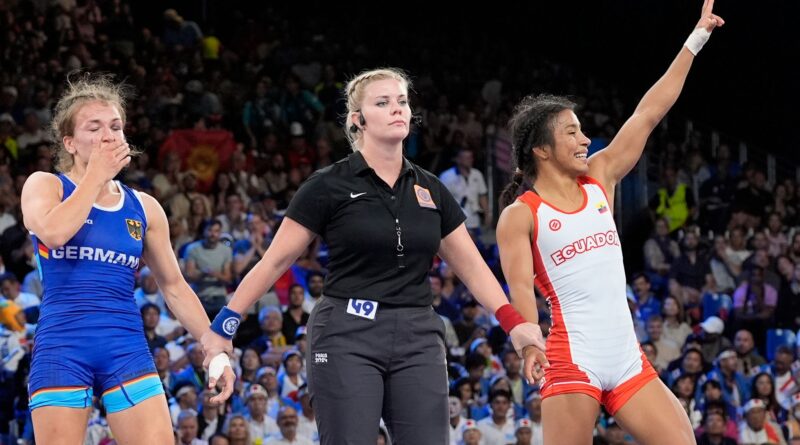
x: 90, y: 234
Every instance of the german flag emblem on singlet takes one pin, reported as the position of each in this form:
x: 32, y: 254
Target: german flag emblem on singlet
x: 134, y: 229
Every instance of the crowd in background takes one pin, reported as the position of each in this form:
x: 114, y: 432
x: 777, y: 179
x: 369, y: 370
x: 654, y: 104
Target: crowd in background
x: 714, y: 297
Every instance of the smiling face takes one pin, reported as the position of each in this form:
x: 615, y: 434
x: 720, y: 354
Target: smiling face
x: 386, y: 112
x: 570, y: 151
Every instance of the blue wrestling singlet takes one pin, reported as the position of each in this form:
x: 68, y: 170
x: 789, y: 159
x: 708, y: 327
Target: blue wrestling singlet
x: 90, y: 338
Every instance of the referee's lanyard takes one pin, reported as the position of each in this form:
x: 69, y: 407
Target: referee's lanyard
x: 395, y: 212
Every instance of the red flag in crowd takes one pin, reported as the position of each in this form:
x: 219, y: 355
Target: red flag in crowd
x: 203, y: 151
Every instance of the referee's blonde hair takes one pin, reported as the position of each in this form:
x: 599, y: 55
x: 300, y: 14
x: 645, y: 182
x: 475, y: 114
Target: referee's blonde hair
x: 354, y: 92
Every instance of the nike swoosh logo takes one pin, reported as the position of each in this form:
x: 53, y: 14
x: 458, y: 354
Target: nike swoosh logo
x: 356, y: 195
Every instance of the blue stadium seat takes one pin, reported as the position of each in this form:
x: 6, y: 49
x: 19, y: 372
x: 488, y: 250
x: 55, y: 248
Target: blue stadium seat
x: 779, y: 337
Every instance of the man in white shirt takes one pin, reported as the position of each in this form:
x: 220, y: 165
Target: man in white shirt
x: 259, y: 423
x: 498, y: 429
x: 287, y: 422
x: 469, y: 189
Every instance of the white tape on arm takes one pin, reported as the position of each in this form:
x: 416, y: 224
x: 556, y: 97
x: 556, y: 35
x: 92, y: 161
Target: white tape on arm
x: 697, y: 39
x: 217, y: 365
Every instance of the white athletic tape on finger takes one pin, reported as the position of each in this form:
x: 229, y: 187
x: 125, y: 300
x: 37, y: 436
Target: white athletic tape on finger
x: 217, y: 365
x: 697, y: 39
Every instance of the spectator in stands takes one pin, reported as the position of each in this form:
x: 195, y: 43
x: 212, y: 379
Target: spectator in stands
x: 760, y: 258
x: 667, y: 349
x: 185, y: 401
x: 777, y: 240
x: 238, y: 431
x: 498, y: 429
x: 295, y: 315
x: 711, y: 339
x: 208, y: 268
x: 288, y: 422
x: 441, y: 305
x: 211, y: 418
x: 200, y: 214
x: 711, y: 399
x: 270, y: 319
x: 468, y: 187
x: 234, y: 219
x: 10, y: 287
x: 690, y: 363
x: 168, y: 377
x: 471, y: 434
x: 268, y: 379
x: 714, y: 430
x: 188, y: 428
x: 195, y: 373
x: 762, y: 386
x: 735, y: 386
x: 290, y: 378
x: 684, y: 389
x: 247, y: 252
x: 756, y: 429
x: 314, y: 283
x: 180, y: 34
x: 754, y: 303
x: 250, y: 363
x: 754, y: 198
x: 259, y: 424
x: 783, y: 370
x: 148, y: 291
x: 749, y: 358
x: 646, y: 301
x: 675, y: 327
x: 688, y: 273
x: 151, y: 314
x: 660, y: 252
x: 673, y: 200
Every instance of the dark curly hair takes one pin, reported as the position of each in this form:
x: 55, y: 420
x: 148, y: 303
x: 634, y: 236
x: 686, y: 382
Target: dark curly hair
x: 531, y: 126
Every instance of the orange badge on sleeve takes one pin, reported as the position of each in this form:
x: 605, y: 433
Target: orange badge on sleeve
x: 424, y: 197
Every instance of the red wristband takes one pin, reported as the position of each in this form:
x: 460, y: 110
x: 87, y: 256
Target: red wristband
x: 508, y: 317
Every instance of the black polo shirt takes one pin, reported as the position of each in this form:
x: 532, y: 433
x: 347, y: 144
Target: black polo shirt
x: 355, y: 212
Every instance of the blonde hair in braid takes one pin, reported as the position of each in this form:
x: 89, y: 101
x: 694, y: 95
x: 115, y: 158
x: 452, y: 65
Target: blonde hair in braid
x: 354, y: 93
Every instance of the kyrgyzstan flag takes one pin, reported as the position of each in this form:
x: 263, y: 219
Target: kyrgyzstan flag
x: 203, y: 151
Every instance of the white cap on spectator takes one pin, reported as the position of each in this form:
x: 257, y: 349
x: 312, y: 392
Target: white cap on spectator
x: 264, y: 370
x: 184, y: 390
x: 727, y: 353
x: 256, y: 390
x: 10, y: 90
x: 524, y: 423
x: 5, y: 117
x: 713, y: 325
x: 296, y: 129
x: 470, y: 424
x: 754, y: 404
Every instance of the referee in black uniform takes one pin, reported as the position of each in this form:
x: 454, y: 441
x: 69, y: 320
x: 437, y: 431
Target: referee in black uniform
x: 376, y: 345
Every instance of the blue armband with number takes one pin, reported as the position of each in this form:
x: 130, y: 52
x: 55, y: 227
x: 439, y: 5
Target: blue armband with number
x: 226, y: 322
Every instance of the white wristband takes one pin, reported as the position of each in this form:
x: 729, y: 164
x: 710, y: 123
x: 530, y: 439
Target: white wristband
x: 697, y: 39
x: 217, y: 365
